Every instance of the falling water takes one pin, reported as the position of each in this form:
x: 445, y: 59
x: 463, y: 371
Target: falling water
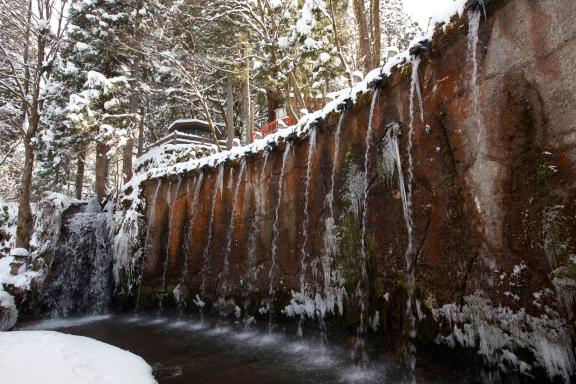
x: 251, y: 272
x: 230, y: 234
x: 330, y: 240
x: 171, y: 213
x: 392, y: 149
x: 473, y: 27
x: 192, y: 220
x: 81, y: 273
x: 147, y: 242
x: 329, y: 233
x: 208, y: 248
x: 361, y: 290
x: 303, y: 252
x: 409, y: 253
x: 178, y: 293
x: 275, y: 231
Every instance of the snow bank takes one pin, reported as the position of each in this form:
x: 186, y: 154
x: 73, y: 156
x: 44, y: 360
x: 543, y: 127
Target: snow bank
x: 30, y: 357
x: 8, y: 311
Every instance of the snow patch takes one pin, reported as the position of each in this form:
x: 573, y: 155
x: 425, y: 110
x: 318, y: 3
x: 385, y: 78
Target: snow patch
x: 56, y: 358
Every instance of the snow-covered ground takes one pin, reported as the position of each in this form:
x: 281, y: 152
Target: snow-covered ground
x: 47, y: 357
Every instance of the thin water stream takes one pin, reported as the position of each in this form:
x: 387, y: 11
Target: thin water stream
x: 362, y: 289
x: 224, y: 288
x: 207, y: 254
x: 171, y: 211
x: 303, y: 250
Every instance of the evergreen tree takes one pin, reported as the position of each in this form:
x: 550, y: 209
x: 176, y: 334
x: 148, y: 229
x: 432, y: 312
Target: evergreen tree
x: 398, y: 28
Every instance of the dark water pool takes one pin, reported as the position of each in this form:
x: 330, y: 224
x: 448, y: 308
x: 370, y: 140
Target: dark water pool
x: 190, y: 352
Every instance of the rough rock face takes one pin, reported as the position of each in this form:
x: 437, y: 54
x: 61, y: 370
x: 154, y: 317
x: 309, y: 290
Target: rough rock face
x: 492, y: 195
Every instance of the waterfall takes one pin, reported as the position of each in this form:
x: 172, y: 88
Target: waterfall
x: 275, y: 230
x: 361, y: 290
x: 171, y: 212
x: 409, y: 253
x: 80, y: 278
x: 303, y: 253
x: 206, y: 258
x: 147, y: 240
x: 251, y: 273
x: 473, y: 27
x: 230, y: 234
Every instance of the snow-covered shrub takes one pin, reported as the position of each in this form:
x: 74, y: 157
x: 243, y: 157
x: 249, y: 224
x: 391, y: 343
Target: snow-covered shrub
x: 8, y: 311
x: 8, y: 217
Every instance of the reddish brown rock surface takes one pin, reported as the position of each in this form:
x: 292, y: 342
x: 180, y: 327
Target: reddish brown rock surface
x: 480, y: 195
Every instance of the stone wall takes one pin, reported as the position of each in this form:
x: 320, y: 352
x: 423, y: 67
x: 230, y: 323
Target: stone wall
x: 493, y: 203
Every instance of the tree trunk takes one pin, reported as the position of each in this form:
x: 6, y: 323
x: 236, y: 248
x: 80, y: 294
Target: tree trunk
x: 297, y: 92
x: 102, y: 165
x: 141, y: 133
x: 80, y: 167
x: 128, y: 150
x: 230, y: 111
x: 25, y: 222
x: 127, y: 153
x: 274, y: 99
x: 338, y: 44
x: 363, y: 34
x: 376, y: 33
x: 246, y: 103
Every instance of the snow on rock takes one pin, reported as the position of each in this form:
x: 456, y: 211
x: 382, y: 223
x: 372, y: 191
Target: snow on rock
x: 30, y: 357
x: 499, y: 332
x: 8, y: 311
